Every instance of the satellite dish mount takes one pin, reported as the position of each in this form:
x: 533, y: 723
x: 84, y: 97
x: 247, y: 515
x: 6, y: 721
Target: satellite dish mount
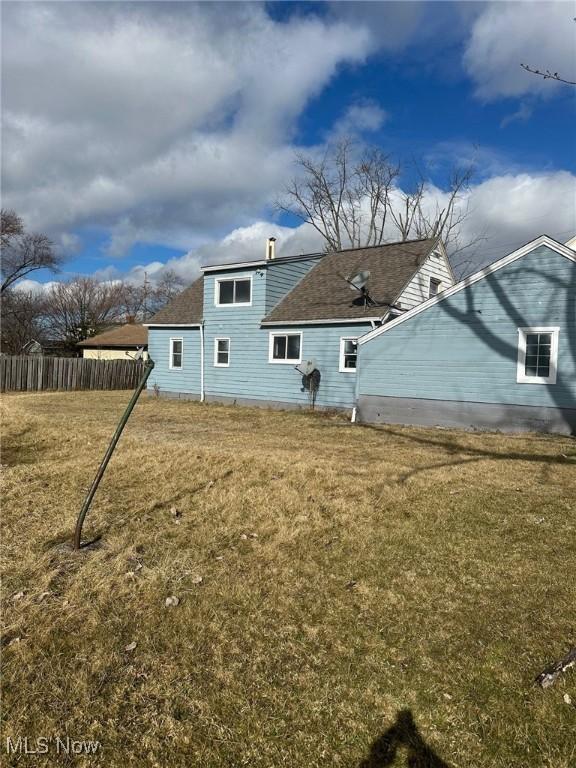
x: 358, y: 283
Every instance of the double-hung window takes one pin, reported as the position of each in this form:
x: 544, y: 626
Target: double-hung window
x: 537, y: 355
x: 176, y: 346
x: 434, y: 287
x: 233, y: 290
x: 222, y: 352
x: 285, y: 348
x: 348, y: 355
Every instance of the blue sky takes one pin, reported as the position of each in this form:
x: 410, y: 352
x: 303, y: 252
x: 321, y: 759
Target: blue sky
x: 140, y: 135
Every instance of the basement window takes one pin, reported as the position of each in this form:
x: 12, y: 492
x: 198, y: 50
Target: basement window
x: 234, y: 291
x: 348, y: 355
x: 537, y: 355
x: 285, y: 348
x: 434, y: 287
x: 222, y: 352
x: 176, y: 346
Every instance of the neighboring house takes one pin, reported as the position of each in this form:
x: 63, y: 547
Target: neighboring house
x: 495, y: 351
x: 244, y: 332
x: 120, y: 343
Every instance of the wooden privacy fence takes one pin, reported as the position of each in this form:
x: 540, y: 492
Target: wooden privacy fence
x: 34, y: 373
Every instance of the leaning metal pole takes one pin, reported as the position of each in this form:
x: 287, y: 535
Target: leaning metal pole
x: 148, y: 366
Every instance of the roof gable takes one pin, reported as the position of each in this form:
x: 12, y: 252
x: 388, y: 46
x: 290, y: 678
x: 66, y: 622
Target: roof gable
x: 474, y: 278
x: 187, y: 308
x: 324, y: 294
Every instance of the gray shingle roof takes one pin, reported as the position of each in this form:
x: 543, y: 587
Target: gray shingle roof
x: 187, y: 307
x: 322, y: 294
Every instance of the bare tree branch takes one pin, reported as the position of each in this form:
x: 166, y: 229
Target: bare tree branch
x: 22, y: 253
x: 547, y: 75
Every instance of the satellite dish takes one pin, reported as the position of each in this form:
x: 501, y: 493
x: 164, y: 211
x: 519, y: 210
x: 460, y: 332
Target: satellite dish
x: 358, y: 282
x: 307, y: 367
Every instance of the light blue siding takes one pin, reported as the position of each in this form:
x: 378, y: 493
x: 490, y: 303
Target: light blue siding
x: 465, y: 348
x: 249, y: 374
x: 281, y: 278
x: 186, y: 380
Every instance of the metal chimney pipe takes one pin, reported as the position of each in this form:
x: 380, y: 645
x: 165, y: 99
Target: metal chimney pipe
x: 271, y: 249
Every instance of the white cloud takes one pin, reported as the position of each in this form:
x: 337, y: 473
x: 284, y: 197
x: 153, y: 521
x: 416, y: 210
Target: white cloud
x: 34, y: 286
x: 159, y: 122
x: 512, y: 209
x: 364, y: 117
x: 242, y: 244
x: 508, y: 34
x: 504, y: 213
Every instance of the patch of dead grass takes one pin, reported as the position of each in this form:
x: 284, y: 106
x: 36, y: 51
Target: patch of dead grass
x: 348, y: 574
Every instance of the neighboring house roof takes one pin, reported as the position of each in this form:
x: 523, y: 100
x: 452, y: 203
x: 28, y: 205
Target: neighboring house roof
x: 185, y: 309
x: 563, y: 250
x: 130, y: 335
x: 323, y: 294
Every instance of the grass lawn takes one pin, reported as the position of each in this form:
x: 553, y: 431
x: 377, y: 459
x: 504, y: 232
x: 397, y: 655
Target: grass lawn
x: 369, y: 597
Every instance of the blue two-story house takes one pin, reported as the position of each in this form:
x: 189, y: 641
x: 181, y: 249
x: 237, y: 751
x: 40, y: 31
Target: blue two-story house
x: 250, y: 332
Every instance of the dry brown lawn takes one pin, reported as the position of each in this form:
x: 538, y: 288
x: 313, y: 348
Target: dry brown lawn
x: 369, y: 597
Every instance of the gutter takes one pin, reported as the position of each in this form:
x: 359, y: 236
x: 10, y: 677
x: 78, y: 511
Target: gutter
x: 202, y: 362
x: 339, y: 321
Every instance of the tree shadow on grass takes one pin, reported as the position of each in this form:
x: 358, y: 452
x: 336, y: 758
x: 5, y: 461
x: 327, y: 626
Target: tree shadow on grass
x: 402, y: 734
x: 466, y: 453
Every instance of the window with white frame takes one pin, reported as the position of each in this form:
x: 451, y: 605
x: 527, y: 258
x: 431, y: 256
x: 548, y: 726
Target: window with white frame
x: 222, y: 352
x: 434, y: 287
x: 348, y: 355
x: 233, y: 290
x: 285, y: 348
x: 176, y: 347
x: 537, y: 355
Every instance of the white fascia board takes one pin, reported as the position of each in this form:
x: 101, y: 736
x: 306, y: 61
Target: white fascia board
x: 341, y: 321
x: 237, y: 265
x: 260, y: 263
x: 470, y: 280
x: 171, y: 325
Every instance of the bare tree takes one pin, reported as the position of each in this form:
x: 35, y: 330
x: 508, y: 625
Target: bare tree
x: 22, y: 314
x: 142, y: 300
x: 167, y: 287
x: 354, y: 201
x: 82, y: 307
x: 345, y: 198
x: 10, y: 225
x: 416, y: 218
x: 22, y: 252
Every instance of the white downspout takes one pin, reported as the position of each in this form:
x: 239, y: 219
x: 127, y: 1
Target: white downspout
x: 202, y: 361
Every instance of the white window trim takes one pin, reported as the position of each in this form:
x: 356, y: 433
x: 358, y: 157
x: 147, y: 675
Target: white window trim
x: 271, y: 336
x: 216, y: 363
x: 341, y: 366
x: 437, y: 280
x: 171, y: 354
x: 219, y: 280
x: 521, y: 377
